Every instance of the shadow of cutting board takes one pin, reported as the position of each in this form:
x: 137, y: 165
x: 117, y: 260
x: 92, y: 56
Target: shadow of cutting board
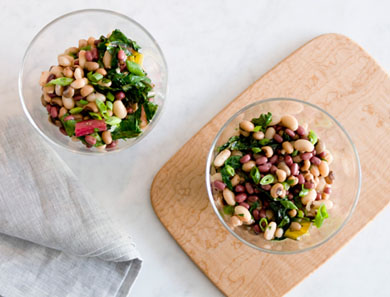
x: 331, y: 71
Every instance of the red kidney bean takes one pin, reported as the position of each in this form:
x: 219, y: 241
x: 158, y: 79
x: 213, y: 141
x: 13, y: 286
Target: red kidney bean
x: 88, y: 56
x: 246, y: 205
x: 328, y: 190
x: 48, y: 107
x: 262, y: 213
x: 121, y: 55
x: 265, y: 204
x: 77, y: 98
x: 50, y: 77
x: 256, y: 228
x: 265, y: 167
x: 120, y: 95
x: 294, y: 168
x: 318, y: 197
x: 76, y: 62
x: 256, y: 214
x: 321, y: 155
x: 277, y: 128
x: 273, y: 169
x: 241, y: 197
x: 89, y: 145
x: 273, y: 159
x: 130, y: 110
x: 266, y: 187
x: 69, y: 117
x: 54, y: 112
x: 288, y: 160
x: 249, y: 188
x: 52, y: 95
x: 257, y: 191
x: 315, y: 161
x: 306, y: 156
x: 261, y: 160
x: 301, y: 179
x: 219, y: 185
x: 309, y: 185
x: 290, y: 132
x: 112, y: 144
x: 90, y: 140
x: 253, y: 198
x: 245, y: 158
x: 290, y: 196
x: 278, y: 138
x: 96, y: 42
x: 239, y: 189
x: 301, y: 131
x: 62, y: 130
x: 95, y: 54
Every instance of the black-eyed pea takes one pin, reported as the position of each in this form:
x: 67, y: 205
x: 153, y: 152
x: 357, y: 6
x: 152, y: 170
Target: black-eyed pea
x: 229, y: 196
x: 309, y: 197
x: 237, y: 153
x: 82, y: 58
x: 328, y: 204
x: 279, y: 232
x: 242, y: 213
x: 314, y: 170
x: 234, y: 221
x: 244, y: 133
x: 62, y: 112
x: 101, y: 71
x: 303, y: 145
x: 270, y: 133
x: 258, y: 135
x: 247, y: 126
x: 288, y: 147
x: 248, y: 166
x: 68, y: 103
x: 68, y: 92
x: 292, y: 180
x: 78, y: 73
x: 86, y: 90
x: 78, y: 83
x: 68, y: 72
x: 281, y: 174
x: 270, y: 230
x: 235, y: 180
x: 292, y: 213
x: 305, y: 166
x: 221, y: 157
x: 277, y: 190
x: 268, y: 151
x: 320, y: 146
x: 43, y: 78
x: 216, y: 176
x: 289, y: 122
x: 107, y: 58
x: 295, y: 226
x: 323, y: 168
x: 82, y: 43
x: 282, y: 165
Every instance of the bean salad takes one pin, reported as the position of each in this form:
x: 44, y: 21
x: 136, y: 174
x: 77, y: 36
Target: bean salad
x: 274, y: 178
x: 99, y: 92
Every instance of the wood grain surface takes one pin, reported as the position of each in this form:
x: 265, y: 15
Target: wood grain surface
x: 331, y: 71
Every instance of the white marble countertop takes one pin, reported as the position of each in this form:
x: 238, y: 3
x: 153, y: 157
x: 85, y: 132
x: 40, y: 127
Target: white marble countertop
x: 214, y: 49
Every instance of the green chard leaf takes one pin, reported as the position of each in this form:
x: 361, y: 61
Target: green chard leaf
x: 150, y: 110
x: 288, y: 204
x: 226, y: 178
x: 228, y: 143
x: 69, y: 125
x: 228, y: 209
x: 234, y: 161
x: 263, y: 121
x: 128, y: 127
x: 134, y: 68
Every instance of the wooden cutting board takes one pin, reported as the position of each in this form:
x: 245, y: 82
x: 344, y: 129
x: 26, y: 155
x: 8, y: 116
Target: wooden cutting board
x: 331, y: 71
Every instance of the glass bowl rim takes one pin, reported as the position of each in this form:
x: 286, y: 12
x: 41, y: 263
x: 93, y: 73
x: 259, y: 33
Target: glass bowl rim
x: 211, y: 197
x: 21, y: 72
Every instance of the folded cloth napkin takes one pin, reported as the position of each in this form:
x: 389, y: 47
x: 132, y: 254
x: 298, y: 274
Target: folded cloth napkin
x: 54, y: 240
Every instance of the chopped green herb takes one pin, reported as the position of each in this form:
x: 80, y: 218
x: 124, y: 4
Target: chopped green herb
x: 150, y: 110
x: 256, y: 150
x: 83, y: 102
x: 263, y: 121
x: 234, y: 161
x: 255, y: 175
x: 76, y: 110
x: 295, y: 153
x: 134, y: 68
x: 96, y: 116
x: 230, y: 170
x: 226, y: 178
x: 86, y: 48
x: 61, y: 81
x: 303, y: 192
x: 312, y: 137
x: 321, y: 215
x: 300, y: 214
x: 267, y: 179
x: 109, y: 105
x: 265, y: 141
x: 228, y: 209
x: 263, y: 220
x: 94, y: 77
x: 288, y: 204
x: 110, y: 96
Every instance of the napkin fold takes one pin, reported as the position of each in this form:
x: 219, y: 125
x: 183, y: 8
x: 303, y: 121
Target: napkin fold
x: 54, y: 239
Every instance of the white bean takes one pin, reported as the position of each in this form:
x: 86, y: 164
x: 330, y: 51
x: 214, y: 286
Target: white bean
x: 78, y: 83
x: 323, y: 168
x: 229, y: 196
x: 303, y: 145
x: 270, y: 231
x: 269, y: 133
x: 107, y: 58
x: 279, y: 232
x: 43, y: 78
x: 290, y: 122
x: 119, y: 109
x: 328, y: 204
x: 220, y: 158
x: 68, y: 102
x: 309, y: 197
x: 243, y: 213
x: 216, y: 176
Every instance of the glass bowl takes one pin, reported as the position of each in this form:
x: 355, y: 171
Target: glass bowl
x: 65, y: 32
x: 346, y: 166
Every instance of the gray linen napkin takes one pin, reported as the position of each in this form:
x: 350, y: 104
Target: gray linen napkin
x: 54, y: 240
